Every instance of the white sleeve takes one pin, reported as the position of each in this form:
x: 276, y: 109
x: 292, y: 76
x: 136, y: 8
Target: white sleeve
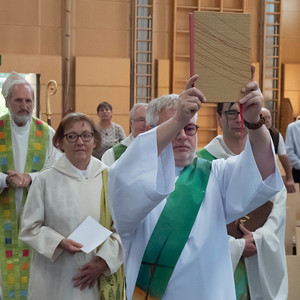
x: 3, y: 184
x: 111, y: 252
x: 268, y: 267
x: 281, y: 146
x: 41, y: 238
x: 108, y: 157
x: 241, y: 184
x: 291, y: 146
x: 236, y: 247
x: 139, y: 180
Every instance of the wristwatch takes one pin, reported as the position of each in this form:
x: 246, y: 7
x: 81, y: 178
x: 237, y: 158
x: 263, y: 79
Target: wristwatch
x: 256, y: 125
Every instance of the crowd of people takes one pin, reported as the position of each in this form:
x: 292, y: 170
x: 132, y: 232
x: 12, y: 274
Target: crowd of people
x: 180, y: 220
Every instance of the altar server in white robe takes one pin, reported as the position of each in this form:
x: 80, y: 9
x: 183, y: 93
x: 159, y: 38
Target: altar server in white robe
x: 137, y: 120
x: 258, y: 257
x: 59, y: 200
x: 192, y: 260
x: 25, y: 148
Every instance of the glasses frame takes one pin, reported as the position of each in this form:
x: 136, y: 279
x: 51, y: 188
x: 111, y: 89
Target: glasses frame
x: 138, y: 120
x: 230, y: 117
x: 191, y: 124
x: 79, y: 136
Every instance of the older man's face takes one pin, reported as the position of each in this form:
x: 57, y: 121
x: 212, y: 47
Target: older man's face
x: 21, y: 104
x: 184, y: 146
x: 138, y: 122
x: 268, y: 118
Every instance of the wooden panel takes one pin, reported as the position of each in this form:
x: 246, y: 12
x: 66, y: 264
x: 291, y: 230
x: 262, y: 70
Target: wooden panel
x: 20, y: 63
x: 19, y: 39
x: 88, y: 98
x: 294, y: 96
x: 51, y: 69
x: 19, y: 12
x: 103, y: 71
x: 162, y: 44
x: 50, y: 41
x: 163, y: 75
x: 291, y: 87
x: 106, y: 43
x: 290, y: 229
x: 293, y: 266
x: 289, y: 49
x: 51, y: 12
x: 107, y: 15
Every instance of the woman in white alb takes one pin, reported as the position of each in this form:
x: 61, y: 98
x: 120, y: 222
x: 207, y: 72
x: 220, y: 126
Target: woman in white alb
x: 58, y: 201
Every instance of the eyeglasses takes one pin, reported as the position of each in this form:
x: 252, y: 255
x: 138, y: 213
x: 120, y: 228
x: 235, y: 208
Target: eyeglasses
x: 190, y: 129
x: 139, y: 120
x: 72, y: 137
x: 231, y: 114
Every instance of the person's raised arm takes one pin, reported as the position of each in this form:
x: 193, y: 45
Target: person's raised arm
x: 260, y: 137
x: 188, y: 104
x: 289, y: 181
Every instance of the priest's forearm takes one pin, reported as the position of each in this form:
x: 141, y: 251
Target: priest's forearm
x: 262, y: 150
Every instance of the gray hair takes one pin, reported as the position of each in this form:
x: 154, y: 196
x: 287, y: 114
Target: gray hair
x: 156, y: 105
x: 135, y: 107
x: 18, y: 82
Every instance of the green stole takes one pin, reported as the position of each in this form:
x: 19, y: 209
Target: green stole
x: 172, y: 231
x: 240, y: 274
x: 14, y: 254
x: 119, y: 149
x: 112, y: 287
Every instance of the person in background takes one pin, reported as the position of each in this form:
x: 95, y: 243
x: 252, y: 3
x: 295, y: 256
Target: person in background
x: 171, y: 208
x: 137, y: 119
x: 111, y: 133
x: 280, y: 150
x: 292, y: 144
x: 25, y: 148
x: 258, y: 257
x: 59, y: 200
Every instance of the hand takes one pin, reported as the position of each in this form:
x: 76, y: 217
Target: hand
x: 18, y: 180
x: 70, y: 246
x: 290, y: 185
x: 189, y: 102
x: 252, y: 101
x: 250, y: 247
x: 89, y: 273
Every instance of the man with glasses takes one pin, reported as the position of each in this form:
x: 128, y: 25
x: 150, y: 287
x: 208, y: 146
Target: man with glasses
x: 170, y: 208
x: 258, y: 255
x: 26, y: 148
x: 137, y: 119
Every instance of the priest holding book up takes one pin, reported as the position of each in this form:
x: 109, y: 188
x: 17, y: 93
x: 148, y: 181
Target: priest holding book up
x: 171, y: 208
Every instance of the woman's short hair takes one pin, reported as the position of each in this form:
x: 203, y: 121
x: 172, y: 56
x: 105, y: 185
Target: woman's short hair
x: 70, y: 119
x: 105, y: 105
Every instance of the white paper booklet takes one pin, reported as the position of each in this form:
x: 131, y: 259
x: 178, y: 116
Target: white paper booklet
x: 90, y: 234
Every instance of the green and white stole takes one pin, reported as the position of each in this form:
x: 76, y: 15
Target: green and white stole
x: 240, y: 274
x: 172, y: 231
x: 112, y: 287
x: 14, y: 254
x: 119, y: 149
